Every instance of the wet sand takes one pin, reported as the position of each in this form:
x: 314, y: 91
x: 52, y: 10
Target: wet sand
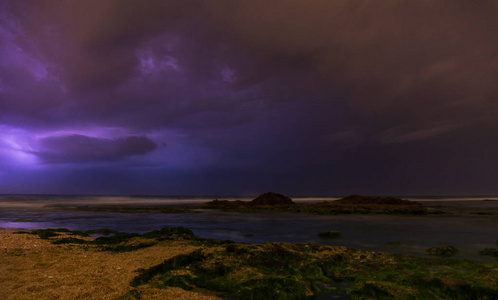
x: 32, y: 268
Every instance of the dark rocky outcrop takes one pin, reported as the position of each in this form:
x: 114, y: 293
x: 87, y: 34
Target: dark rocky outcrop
x: 368, y: 200
x: 347, y: 205
x: 226, y: 204
x: 264, y: 200
x: 368, y: 204
x: 271, y: 199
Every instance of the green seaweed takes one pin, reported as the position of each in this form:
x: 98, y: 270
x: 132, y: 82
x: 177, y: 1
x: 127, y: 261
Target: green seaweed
x: 489, y: 252
x: 170, y: 233
x: 176, y: 262
x: 50, y: 232
x: 46, y: 233
x: 114, y: 241
x: 443, y: 251
x: 296, y: 271
x: 131, y: 295
x: 329, y: 234
x: 117, y: 238
x: 69, y: 240
x: 127, y: 248
x: 103, y: 231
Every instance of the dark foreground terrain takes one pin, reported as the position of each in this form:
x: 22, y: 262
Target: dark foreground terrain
x: 173, y: 262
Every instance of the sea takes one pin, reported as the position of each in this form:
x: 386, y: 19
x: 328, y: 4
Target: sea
x: 405, y: 234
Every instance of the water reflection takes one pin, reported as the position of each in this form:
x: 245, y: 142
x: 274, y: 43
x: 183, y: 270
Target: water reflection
x: 402, y: 234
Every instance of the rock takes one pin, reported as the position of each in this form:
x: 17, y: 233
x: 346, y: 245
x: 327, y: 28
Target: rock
x: 362, y: 200
x: 271, y: 199
x: 329, y: 234
x: 226, y: 204
x: 444, y: 250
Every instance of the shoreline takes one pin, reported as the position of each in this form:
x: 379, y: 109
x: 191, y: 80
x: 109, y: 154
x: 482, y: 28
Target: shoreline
x: 470, y: 225
x: 33, y: 266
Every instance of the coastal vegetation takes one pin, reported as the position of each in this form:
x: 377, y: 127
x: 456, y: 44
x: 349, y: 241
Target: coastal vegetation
x: 288, y: 271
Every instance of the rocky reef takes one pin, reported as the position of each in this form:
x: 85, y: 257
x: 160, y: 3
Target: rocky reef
x: 269, y: 199
x: 367, y: 200
x: 300, y: 271
x: 347, y: 205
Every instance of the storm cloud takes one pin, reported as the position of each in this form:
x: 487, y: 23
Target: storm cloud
x: 80, y: 148
x: 307, y: 97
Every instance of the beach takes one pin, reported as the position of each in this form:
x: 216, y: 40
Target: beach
x: 33, y: 268
x: 33, y: 265
x: 173, y: 263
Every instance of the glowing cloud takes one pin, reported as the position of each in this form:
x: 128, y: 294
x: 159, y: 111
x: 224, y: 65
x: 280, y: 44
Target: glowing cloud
x: 80, y: 148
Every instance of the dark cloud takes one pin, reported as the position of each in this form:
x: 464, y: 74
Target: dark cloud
x: 79, y: 148
x: 276, y: 88
x: 95, y: 39
x: 386, y: 57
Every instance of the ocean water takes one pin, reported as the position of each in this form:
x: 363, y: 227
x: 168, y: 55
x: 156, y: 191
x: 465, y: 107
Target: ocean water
x: 392, y: 233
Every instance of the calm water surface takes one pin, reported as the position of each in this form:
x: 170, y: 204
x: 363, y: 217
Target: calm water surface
x: 471, y: 232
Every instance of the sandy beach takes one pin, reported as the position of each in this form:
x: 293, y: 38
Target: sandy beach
x: 241, y: 255
x: 32, y: 268
x: 173, y: 263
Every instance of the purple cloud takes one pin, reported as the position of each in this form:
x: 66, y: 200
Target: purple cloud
x: 77, y: 148
x: 296, y: 90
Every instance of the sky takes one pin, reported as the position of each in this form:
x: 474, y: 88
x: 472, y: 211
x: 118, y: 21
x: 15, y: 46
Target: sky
x: 243, y: 97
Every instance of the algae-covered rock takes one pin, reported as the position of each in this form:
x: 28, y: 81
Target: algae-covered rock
x: 300, y: 271
x: 351, y: 204
x: 225, y: 204
x: 329, y: 234
x: 262, y: 201
x: 489, y: 252
x: 271, y: 199
x: 115, y: 241
x: 443, y: 251
x: 368, y: 204
x: 170, y: 233
x: 357, y: 199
